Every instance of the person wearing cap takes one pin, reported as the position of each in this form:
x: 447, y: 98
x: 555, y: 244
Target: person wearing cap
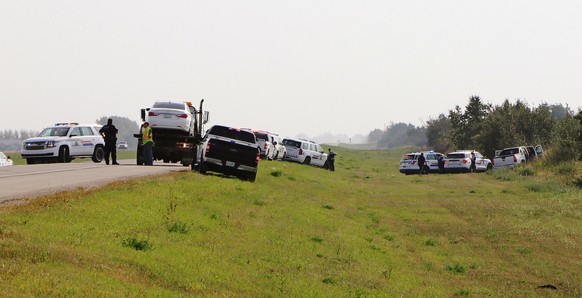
x: 109, y: 134
x: 148, y: 143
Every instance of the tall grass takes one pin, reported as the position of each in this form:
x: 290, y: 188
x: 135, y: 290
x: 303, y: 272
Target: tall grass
x: 364, y: 230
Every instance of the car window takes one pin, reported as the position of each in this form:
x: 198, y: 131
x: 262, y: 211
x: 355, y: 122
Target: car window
x: 318, y: 148
x: 291, y: 143
x: 76, y: 131
x: 232, y: 133
x: 169, y: 105
x: 261, y: 136
x: 86, y: 131
x: 456, y: 155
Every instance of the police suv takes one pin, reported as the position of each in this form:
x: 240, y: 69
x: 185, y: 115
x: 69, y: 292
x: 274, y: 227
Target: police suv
x: 64, y: 142
x: 409, y: 162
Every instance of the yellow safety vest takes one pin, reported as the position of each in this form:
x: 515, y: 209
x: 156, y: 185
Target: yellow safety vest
x: 147, y: 135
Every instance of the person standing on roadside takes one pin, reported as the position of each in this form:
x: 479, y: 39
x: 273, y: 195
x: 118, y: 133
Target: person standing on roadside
x: 331, y: 159
x: 109, y: 134
x: 421, y: 161
x: 441, y: 161
x: 148, y: 143
x: 473, y: 168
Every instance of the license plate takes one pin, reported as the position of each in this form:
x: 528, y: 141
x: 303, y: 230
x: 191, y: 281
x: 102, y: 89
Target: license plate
x: 167, y: 116
x: 230, y: 163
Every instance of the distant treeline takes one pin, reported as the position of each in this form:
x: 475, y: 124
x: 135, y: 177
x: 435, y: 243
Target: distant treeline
x: 487, y: 127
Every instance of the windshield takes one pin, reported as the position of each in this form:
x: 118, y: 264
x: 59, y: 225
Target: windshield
x: 233, y: 133
x: 54, y: 132
x: 456, y: 155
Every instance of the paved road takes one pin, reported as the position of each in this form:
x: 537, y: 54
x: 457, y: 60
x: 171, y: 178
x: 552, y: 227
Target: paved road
x: 28, y: 181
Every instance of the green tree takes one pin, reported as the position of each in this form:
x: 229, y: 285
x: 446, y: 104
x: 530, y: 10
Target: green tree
x: 438, y: 133
x: 466, y: 125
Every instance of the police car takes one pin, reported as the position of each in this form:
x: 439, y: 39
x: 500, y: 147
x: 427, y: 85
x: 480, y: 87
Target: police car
x: 460, y: 161
x: 64, y: 142
x: 409, y: 162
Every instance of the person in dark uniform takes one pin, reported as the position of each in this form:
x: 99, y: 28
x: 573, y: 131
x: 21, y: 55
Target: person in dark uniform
x: 473, y: 168
x: 331, y: 159
x: 421, y: 161
x: 441, y: 161
x: 109, y: 134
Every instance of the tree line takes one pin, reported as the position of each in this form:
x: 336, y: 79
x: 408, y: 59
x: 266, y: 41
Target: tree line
x: 486, y: 128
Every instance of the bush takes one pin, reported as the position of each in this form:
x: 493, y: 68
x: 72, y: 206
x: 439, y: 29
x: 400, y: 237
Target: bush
x: 524, y: 170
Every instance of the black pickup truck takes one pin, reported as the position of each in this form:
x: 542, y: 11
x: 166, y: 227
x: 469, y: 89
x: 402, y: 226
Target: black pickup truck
x: 229, y: 151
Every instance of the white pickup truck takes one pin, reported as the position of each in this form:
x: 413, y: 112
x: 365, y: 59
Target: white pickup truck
x: 510, y: 157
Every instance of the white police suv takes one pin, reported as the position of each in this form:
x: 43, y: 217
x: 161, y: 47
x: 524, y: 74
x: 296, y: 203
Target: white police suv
x: 64, y: 142
x: 409, y: 162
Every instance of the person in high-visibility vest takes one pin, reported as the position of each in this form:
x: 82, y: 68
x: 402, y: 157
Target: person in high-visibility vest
x: 148, y: 143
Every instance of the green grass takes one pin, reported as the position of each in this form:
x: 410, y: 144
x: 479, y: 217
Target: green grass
x: 364, y: 230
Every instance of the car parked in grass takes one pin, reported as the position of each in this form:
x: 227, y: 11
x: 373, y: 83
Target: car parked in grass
x: 265, y: 143
x: 460, y: 161
x: 409, y: 162
x: 280, y: 149
x: 305, y: 152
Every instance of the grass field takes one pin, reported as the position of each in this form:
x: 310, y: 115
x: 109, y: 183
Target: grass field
x: 363, y: 231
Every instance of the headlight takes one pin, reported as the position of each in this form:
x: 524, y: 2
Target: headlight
x: 51, y: 144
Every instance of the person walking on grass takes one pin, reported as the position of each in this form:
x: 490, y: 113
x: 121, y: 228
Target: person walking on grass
x: 109, y: 134
x: 331, y: 159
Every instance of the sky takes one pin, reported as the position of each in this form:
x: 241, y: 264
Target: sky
x: 289, y: 67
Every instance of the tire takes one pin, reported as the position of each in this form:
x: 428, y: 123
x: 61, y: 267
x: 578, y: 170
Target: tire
x: 307, y: 160
x: 98, y: 154
x: 31, y: 161
x: 252, y: 177
x: 489, y: 167
x: 64, y: 155
x: 276, y: 155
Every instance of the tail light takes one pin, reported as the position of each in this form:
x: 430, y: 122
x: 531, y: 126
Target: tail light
x: 182, y: 116
x: 300, y: 151
x: 258, y: 157
x: 465, y: 161
x: 207, y: 147
x: 514, y: 158
x: 153, y: 114
x: 266, y: 146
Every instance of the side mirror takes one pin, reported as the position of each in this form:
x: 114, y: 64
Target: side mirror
x: 205, y: 117
x: 274, y: 143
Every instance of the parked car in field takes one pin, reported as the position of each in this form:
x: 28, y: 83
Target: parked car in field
x: 229, y: 151
x: 409, y: 162
x: 63, y: 143
x: 265, y: 143
x: 460, y: 161
x: 510, y: 157
x: 305, y: 152
x: 280, y: 149
x: 5, y: 160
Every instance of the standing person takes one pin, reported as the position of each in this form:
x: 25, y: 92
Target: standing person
x: 331, y: 159
x: 109, y: 134
x: 148, y: 143
x: 441, y: 164
x: 473, y: 168
x: 421, y: 161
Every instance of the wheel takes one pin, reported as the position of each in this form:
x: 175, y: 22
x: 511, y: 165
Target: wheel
x: 64, y: 155
x: 489, y: 167
x: 276, y: 155
x: 98, y: 154
x: 31, y: 161
x: 252, y: 177
x: 307, y: 160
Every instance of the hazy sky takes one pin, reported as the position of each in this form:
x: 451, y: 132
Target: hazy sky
x: 290, y: 67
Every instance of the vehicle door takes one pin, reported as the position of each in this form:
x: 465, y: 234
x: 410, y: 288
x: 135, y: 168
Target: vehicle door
x: 319, y: 156
x: 432, y: 162
x: 480, y: 163
x: 539, y: 151
x: 75, y: 142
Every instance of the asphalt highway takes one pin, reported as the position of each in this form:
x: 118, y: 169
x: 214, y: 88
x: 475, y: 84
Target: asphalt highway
x: 22, y: 182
